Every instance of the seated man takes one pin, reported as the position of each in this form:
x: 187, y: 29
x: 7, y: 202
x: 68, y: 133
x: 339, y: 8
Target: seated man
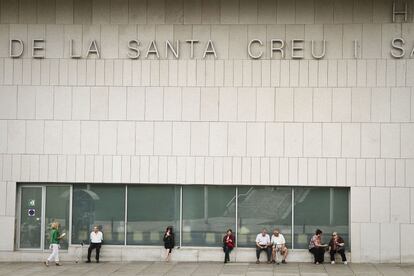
x: 96, y: 239
x: 263, y: 244
x: 279, y: 245
x: 337, y: 245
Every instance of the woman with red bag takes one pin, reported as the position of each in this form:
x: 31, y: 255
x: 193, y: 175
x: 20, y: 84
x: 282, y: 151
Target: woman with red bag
x: 228, y: 245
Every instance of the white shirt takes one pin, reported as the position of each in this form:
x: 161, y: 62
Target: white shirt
x: 96, y: 237
x: 263, y: 240
x: 278, y: 240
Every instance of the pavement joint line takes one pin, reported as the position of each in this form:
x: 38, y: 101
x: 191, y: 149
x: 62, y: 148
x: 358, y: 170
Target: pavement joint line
x: 203, y: 269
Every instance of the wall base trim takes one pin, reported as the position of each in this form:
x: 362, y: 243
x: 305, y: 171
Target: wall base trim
x: 153, y: 253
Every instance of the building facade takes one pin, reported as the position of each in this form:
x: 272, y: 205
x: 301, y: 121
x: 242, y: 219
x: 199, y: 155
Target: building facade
x: 206, y: 115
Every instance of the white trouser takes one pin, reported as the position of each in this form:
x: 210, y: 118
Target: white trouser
x: 55, y: 253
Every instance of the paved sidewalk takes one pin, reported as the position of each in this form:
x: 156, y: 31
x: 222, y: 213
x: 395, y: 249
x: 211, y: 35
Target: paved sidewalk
x: 204, y: 269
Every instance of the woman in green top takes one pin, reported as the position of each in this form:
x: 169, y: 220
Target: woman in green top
x: 55, y: 238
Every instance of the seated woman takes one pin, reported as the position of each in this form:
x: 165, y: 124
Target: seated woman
x: 337, y: 245
x: 317, y: 248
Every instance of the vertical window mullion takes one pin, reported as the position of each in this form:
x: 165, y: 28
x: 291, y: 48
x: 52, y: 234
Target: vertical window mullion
x: 181, y: 215
x: 237, y: 215
x: 293, y: 218
x: 70, y: 215
x: 43, y: 219
x: 19, y: 207
x: 349, y: 219
x: 126, y: 215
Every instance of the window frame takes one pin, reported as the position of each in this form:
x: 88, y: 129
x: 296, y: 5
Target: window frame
x: 71, y: 186
x: 43, y: 187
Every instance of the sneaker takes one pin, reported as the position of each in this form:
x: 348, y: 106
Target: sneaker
x: 97, y: 261
x: 88, y: 261
x: 46, y: 263
x: 332, y: 262
x: 58, y: 264
x: 345, y: 263
x: 284, y: 262
x: 257, y: 262
x: 278, y: 263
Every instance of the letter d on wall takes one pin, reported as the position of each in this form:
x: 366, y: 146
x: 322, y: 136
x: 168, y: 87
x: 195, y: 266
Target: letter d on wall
x: 15, y: 53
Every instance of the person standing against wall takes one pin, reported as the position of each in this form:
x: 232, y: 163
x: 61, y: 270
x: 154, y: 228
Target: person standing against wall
x: 96, y: 239
x: 228, y: 245
x: 169, y: 242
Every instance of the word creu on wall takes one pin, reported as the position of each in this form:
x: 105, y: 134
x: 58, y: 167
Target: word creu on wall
x: 277, y: 48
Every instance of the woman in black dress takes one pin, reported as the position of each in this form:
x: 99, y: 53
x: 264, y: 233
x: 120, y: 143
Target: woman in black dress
x: 169, y: 242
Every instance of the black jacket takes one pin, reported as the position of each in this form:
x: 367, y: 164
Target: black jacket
x: 169, y: 241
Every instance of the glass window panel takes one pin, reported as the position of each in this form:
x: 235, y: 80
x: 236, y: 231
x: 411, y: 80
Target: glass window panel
x: 263, y: 207
x: 323, y: 208
x: 57, y: 209
x: 208, y: 211
x: 150, y: 210
x: 102, y: 205
x: 31, y: 217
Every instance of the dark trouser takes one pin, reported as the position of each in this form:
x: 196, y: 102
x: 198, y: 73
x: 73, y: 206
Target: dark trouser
x: 318, y: 254
x: 227, y: 251
x: 93, y: 246
x: 268, y: 251
x: 339, y: 251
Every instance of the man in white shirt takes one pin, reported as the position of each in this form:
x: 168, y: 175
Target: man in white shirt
x: 263, y: 244
x: 96, y: 238
x: 279, y: 245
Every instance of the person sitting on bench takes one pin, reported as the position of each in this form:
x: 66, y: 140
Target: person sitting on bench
x: 279, y: 245
x: 337, y: 245
x: 263, y: 244
x: 317, y: 248
x: 96, y: 238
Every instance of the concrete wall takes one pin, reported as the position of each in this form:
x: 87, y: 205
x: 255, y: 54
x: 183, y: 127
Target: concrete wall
x: 338, y: 121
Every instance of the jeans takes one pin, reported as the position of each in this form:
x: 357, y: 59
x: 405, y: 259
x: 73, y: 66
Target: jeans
x: 93, y: 246
x: 268, y: 251
x: 227, y: 251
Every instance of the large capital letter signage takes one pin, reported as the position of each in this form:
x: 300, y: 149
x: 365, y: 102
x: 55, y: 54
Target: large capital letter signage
x: 396, y: 12
x: 249, y: 49
x: 15, y: 53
